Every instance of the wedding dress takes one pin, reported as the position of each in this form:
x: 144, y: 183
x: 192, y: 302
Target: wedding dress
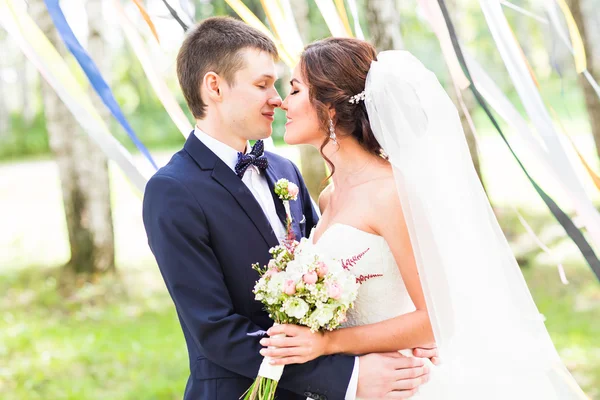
x: 491, y: 338
x: 383, y: 295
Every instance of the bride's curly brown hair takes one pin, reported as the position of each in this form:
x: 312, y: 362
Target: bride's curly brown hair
x: 336, y: 69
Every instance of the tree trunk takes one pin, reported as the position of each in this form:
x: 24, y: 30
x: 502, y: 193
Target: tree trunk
x: 83, y: 173
x: 459, y: 14
x: 383, y: 20
x: 4, y: 113
x: 591, y: 98
x: 312, y: 164
x: 28, y: 91
x: 97, y: 173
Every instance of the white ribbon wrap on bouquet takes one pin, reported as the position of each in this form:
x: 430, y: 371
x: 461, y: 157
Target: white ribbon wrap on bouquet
x: 269, y: 371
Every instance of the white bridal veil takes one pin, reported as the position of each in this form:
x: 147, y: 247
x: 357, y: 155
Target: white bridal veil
x: 492, y: 340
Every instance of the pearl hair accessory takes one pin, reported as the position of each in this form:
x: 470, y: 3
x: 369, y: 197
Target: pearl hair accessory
x: 357, y: 97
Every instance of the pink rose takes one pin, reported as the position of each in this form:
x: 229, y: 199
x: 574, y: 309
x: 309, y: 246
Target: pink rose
x: 289, y: 287
x: 293, y: 190
x: 322, y: 269
x: 334, y: 290
x: 272, y: 271
x: 310, y: 278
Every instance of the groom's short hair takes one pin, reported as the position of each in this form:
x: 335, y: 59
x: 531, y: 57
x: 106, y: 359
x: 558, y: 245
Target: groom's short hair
x: 215, y: 45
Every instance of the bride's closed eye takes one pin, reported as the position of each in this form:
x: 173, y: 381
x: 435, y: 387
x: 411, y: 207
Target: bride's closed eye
x: 293, y: 92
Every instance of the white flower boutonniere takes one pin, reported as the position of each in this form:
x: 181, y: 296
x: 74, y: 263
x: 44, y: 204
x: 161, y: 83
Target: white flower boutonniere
x: 287, y: 191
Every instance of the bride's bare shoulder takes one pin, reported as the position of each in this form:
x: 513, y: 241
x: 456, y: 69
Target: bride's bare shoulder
x: 324, y: 197
x: 383, y: 192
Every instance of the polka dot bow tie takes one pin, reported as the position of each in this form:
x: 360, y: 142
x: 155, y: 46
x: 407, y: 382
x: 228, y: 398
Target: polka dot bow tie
x: 255, y: 157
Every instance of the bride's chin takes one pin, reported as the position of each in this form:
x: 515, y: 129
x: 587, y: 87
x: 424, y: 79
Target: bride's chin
x: 291, y: 139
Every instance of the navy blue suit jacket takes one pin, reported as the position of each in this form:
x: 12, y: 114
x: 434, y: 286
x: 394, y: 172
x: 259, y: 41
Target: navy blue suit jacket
x: 206, y: 229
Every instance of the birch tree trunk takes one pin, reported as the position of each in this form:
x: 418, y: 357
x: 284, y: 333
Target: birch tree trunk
x: 592, y: 102
x: 383, y: 19
x: 82, y: 171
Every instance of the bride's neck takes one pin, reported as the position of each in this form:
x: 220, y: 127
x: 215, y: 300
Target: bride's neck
x: 350, y: 160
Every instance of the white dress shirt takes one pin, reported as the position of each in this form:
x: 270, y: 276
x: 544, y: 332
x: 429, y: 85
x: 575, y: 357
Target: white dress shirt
x: 258, y: 185
x: 254, y: 179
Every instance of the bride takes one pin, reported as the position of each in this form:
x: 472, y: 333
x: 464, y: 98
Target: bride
x: 407, y: 214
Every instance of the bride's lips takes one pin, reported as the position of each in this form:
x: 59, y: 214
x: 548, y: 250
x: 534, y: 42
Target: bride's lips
x: 289, y: 121
x: 269, y: 115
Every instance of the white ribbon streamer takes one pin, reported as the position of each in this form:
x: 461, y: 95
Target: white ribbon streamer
x: 332, y: 19
x: 48, y: 61
x: 358, y: 32
x: 540, y: 118
x: 160, y: 88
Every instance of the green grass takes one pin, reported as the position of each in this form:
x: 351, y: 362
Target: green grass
x: 116, y: 340
x: 102, y: 342
x: 572, y: 317
x: 120, y: 338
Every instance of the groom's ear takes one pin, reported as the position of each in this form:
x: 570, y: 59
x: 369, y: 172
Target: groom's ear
x: 212, y: 86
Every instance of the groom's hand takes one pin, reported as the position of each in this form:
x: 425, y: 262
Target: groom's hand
x: 429, y: 351
x: 390, y: 376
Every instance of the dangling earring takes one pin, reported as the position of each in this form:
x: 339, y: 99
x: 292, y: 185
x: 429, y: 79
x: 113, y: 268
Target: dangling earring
x: 332, y: 135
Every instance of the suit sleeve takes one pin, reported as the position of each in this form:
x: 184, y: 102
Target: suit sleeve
x: 179, y: 238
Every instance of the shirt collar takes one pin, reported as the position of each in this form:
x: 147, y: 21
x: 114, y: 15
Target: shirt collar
x: 227, y: 154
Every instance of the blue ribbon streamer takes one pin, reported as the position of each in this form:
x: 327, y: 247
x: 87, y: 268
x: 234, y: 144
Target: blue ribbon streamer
x: 93, y: 73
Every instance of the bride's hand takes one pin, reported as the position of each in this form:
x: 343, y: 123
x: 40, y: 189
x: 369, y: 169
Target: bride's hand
x: 299, y: 345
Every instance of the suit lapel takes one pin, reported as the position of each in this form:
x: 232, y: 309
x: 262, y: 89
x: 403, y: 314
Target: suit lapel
x: 222, y: 174
x: 272, y: 179
x: 234, y: 185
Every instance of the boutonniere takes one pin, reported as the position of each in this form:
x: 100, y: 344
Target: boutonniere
x: 287, y: 191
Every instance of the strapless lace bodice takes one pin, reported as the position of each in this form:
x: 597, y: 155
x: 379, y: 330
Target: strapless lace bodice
x: 382, y: 294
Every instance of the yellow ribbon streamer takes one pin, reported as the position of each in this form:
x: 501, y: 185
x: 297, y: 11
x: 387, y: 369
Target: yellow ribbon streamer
x: 588, y: 168
x: 248, y: 17
x: 284, y: 29
x: 586, y: 165
x: 146, y: 17
x: 577, y: 42
x: 158, y: 85
x: 339, y: 4
x: 332, y: 18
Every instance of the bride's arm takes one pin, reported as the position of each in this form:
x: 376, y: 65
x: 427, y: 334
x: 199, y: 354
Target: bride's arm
x: 403, y: 332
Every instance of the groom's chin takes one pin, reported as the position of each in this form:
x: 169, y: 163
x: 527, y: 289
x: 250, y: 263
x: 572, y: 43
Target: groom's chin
x: 262, y: 136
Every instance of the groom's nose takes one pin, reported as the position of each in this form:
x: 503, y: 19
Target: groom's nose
x: 275, y: 101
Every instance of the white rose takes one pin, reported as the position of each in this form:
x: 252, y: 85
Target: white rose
x: 323, y: 315
x: 295, y: 307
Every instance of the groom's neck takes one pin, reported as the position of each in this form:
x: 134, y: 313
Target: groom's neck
x: 222, y: 133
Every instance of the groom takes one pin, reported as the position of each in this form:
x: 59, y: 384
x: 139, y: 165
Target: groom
x: 211, y: 213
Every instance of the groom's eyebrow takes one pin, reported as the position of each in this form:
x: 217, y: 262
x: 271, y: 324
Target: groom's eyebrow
x: 268, y: 76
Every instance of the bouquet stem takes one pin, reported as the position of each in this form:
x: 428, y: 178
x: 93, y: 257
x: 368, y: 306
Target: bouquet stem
x: 265, y: 384
x: 262, y: 389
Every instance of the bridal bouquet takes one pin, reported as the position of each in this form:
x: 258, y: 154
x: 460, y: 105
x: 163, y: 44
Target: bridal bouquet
x: 302, y: 287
